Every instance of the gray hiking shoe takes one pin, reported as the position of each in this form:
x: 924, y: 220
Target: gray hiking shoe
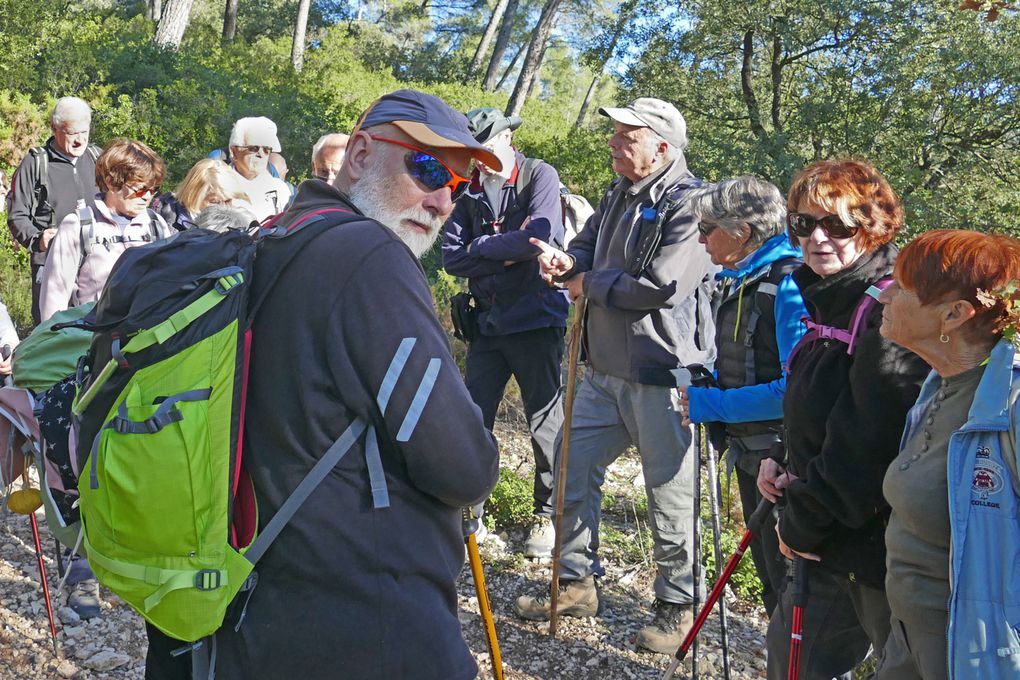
x: 576, y: 598
x: 540, y: 539
x: 84, y: 598
x: 668, y: 629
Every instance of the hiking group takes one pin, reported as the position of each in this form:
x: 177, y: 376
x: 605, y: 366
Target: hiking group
x: 273, y: 450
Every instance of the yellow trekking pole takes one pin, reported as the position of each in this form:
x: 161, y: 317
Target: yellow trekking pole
x: 561, y: 476
x: 483, y: 596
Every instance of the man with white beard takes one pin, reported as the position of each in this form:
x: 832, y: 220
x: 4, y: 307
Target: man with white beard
x: 252, y: 141
x: 361, y: 581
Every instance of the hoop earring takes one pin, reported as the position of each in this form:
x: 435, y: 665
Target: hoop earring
x: 943, y: 338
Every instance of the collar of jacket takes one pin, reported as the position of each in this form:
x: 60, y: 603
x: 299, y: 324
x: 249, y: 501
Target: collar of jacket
x: 832, y: 299
x: 993, y: 398
x: 315, y: 193
x: 104, y: 213
x: 475, y: 187
x: 58, y: 155
x: 774, y: 248
x: 657, y: 182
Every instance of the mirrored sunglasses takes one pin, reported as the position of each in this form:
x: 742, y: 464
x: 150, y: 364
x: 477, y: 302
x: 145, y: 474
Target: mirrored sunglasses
x: 803, y: 226
x: 430, y: 171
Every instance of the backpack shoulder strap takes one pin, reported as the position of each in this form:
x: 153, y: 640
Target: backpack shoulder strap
x: 41, y: 191
x: 764, y: 303
x: 526, y: 173
x: 651, y: 228
x: 86, y: 232
x: 93, y: 151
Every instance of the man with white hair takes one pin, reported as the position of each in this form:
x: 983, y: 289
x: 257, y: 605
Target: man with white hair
x: 50, y: 181
x: 252, y: 140
x: 328, y: 155
x: 361, y: 582
x: 648, y: 284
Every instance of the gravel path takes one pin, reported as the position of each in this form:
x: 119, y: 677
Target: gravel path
x: 598, y: 648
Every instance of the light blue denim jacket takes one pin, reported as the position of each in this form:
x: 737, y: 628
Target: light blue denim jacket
x: 984, y: 515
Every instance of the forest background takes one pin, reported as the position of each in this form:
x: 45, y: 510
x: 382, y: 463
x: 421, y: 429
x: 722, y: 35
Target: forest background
x: 925, y: 89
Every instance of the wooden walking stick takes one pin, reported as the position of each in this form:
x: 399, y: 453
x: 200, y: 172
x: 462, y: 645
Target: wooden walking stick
x: 561, y: 476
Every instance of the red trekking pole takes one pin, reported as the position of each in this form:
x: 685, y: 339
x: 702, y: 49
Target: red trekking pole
x: 800, y: 594
x: 753, y: 527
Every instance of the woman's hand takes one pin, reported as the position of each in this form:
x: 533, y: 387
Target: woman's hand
x: 769, y: 473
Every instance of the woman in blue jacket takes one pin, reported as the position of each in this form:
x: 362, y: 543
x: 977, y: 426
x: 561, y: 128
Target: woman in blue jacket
x: 758, y: 320
x: 953, y: 539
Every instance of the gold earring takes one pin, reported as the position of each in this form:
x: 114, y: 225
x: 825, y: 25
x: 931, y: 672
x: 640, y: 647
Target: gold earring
x: 943, y: 338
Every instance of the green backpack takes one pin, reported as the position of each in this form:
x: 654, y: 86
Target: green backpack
x: 168, y: 511
x: 50, y: 353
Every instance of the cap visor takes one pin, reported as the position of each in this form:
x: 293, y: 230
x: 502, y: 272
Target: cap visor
x: 625, y: 116
x: 447, y: 138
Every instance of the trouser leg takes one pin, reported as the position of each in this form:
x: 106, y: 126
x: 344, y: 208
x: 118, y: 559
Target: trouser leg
x: 667, y: 460
x: 535, y: 358
x: 872, y: 608
x: 912, y: 654
x: 597, y: 438
x: 486, y: 374
x: 36, y: 288
x: 768, y: 563
x: 833, y: 641
x: 160, y: 664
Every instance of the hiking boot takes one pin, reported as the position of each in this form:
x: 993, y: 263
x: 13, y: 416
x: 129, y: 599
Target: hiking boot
x: 668, y: 629
x: 84, y: 598
x: 576, y: 598
x: 540, y: 539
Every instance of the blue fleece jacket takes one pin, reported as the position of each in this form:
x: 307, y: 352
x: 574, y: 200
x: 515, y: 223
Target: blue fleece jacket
x: 765, y: 401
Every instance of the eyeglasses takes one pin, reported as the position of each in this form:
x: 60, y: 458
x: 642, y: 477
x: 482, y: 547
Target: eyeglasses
x: 140, y: 193
x: 266, y: 150
x: 429, y: 170
x: 706, y: 228
x: 804, y: 225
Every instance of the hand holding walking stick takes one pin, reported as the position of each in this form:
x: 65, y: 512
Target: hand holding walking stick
x: 561, y: 475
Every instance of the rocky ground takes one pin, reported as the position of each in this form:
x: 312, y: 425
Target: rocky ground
x: 600, y: 648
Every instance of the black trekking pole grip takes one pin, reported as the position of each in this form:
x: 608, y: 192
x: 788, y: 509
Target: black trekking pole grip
x: 757, y: 518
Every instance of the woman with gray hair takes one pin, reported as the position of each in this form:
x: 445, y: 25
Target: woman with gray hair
x: 758, y: 313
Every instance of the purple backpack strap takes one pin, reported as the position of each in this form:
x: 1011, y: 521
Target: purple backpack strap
x: 848, y: 336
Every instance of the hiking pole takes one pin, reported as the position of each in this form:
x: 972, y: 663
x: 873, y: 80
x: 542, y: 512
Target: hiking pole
x: 42, y: 572
x: 561, y: 476
x: 713, y: 498
x: 697, y: 540
x: 754, y: 523
x: 478, y: 575
x: 800, y: 595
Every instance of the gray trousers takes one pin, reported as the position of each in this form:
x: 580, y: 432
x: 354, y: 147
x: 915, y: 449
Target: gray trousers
x: 611, y: 414
x: 913, y: 654
x: 841, y: 621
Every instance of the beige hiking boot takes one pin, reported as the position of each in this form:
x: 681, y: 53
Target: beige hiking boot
x: 576, y: 598
x: 668, y: 629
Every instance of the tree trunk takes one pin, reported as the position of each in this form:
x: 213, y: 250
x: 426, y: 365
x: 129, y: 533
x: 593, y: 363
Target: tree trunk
x: 502, y: 40
x: 483, y: 44
x: 533, y: 58
x: 538, y: 74
x: 510, y: 68
x: 153, y: 9
x: 297, y: 50
x: 587, y: 98
x: 173, y: 23
x: 747, y: 86
x: 230, y: 21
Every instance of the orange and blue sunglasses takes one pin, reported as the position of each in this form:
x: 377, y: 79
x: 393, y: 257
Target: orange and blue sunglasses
x: 429, y: 170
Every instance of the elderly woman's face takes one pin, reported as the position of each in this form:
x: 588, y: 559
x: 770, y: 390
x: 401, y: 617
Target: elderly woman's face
x: 824, y: 254
x: 905, y: 320
x: 724, y: 247
x: 131, y: 199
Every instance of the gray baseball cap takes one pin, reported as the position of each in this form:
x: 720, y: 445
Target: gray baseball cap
x: 487, y: 121
x: 659, y: 116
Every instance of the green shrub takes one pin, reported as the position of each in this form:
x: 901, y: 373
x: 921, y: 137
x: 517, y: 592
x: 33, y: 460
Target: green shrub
x: 15, y: 281
x: 512, y: 502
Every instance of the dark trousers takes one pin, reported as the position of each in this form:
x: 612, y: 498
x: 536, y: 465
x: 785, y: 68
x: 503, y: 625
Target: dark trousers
x: 36, y: 288
x: 768, y: 563
x: 160, y: 664
x: 842, y: 619
x: 533, y: 358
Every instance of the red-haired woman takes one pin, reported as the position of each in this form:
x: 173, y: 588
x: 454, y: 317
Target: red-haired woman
x: 953, y: 539
x: 843, y: 415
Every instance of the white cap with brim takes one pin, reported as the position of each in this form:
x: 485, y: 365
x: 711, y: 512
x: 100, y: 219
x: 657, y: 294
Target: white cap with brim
x: 660, y: 117
x: 255, y: 131
x: 428, y: 120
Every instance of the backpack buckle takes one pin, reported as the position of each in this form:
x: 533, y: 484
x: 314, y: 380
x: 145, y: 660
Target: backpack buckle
x: 208, y: 579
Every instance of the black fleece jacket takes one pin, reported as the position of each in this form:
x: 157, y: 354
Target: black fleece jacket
x: 844, y: 416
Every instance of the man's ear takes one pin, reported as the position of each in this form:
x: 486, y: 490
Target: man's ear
x: 955, y: 314
x: 358, y: 156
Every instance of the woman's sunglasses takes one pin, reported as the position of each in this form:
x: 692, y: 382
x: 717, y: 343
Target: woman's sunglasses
x: 429, y: 170
x: 140, y: 193
x: 804, y: 225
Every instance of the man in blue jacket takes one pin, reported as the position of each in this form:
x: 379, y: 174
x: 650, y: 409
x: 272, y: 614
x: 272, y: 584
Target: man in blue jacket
x: 520, y: 318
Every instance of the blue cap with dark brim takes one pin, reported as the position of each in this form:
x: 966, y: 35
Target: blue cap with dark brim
x: 426, y: 119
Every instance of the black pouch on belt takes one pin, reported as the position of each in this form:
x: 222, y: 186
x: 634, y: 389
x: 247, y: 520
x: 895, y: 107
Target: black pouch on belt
x: 464, y: 315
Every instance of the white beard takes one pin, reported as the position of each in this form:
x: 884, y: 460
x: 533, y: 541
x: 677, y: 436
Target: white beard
x: 371, y: 195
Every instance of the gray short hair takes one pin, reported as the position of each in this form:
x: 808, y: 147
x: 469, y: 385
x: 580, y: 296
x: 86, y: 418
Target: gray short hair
x: 70, y: 108
x: 742, y: 200
x: 653, y: 139
x: 334, y: 140
x: 224, y: 218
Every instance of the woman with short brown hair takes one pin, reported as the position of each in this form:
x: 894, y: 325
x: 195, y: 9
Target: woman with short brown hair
x: 88, y: 242
x: 847, y: 394
x: 953, y: 540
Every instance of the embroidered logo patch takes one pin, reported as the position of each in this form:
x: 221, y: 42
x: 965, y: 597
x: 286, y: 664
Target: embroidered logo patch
x: 988, y: 479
